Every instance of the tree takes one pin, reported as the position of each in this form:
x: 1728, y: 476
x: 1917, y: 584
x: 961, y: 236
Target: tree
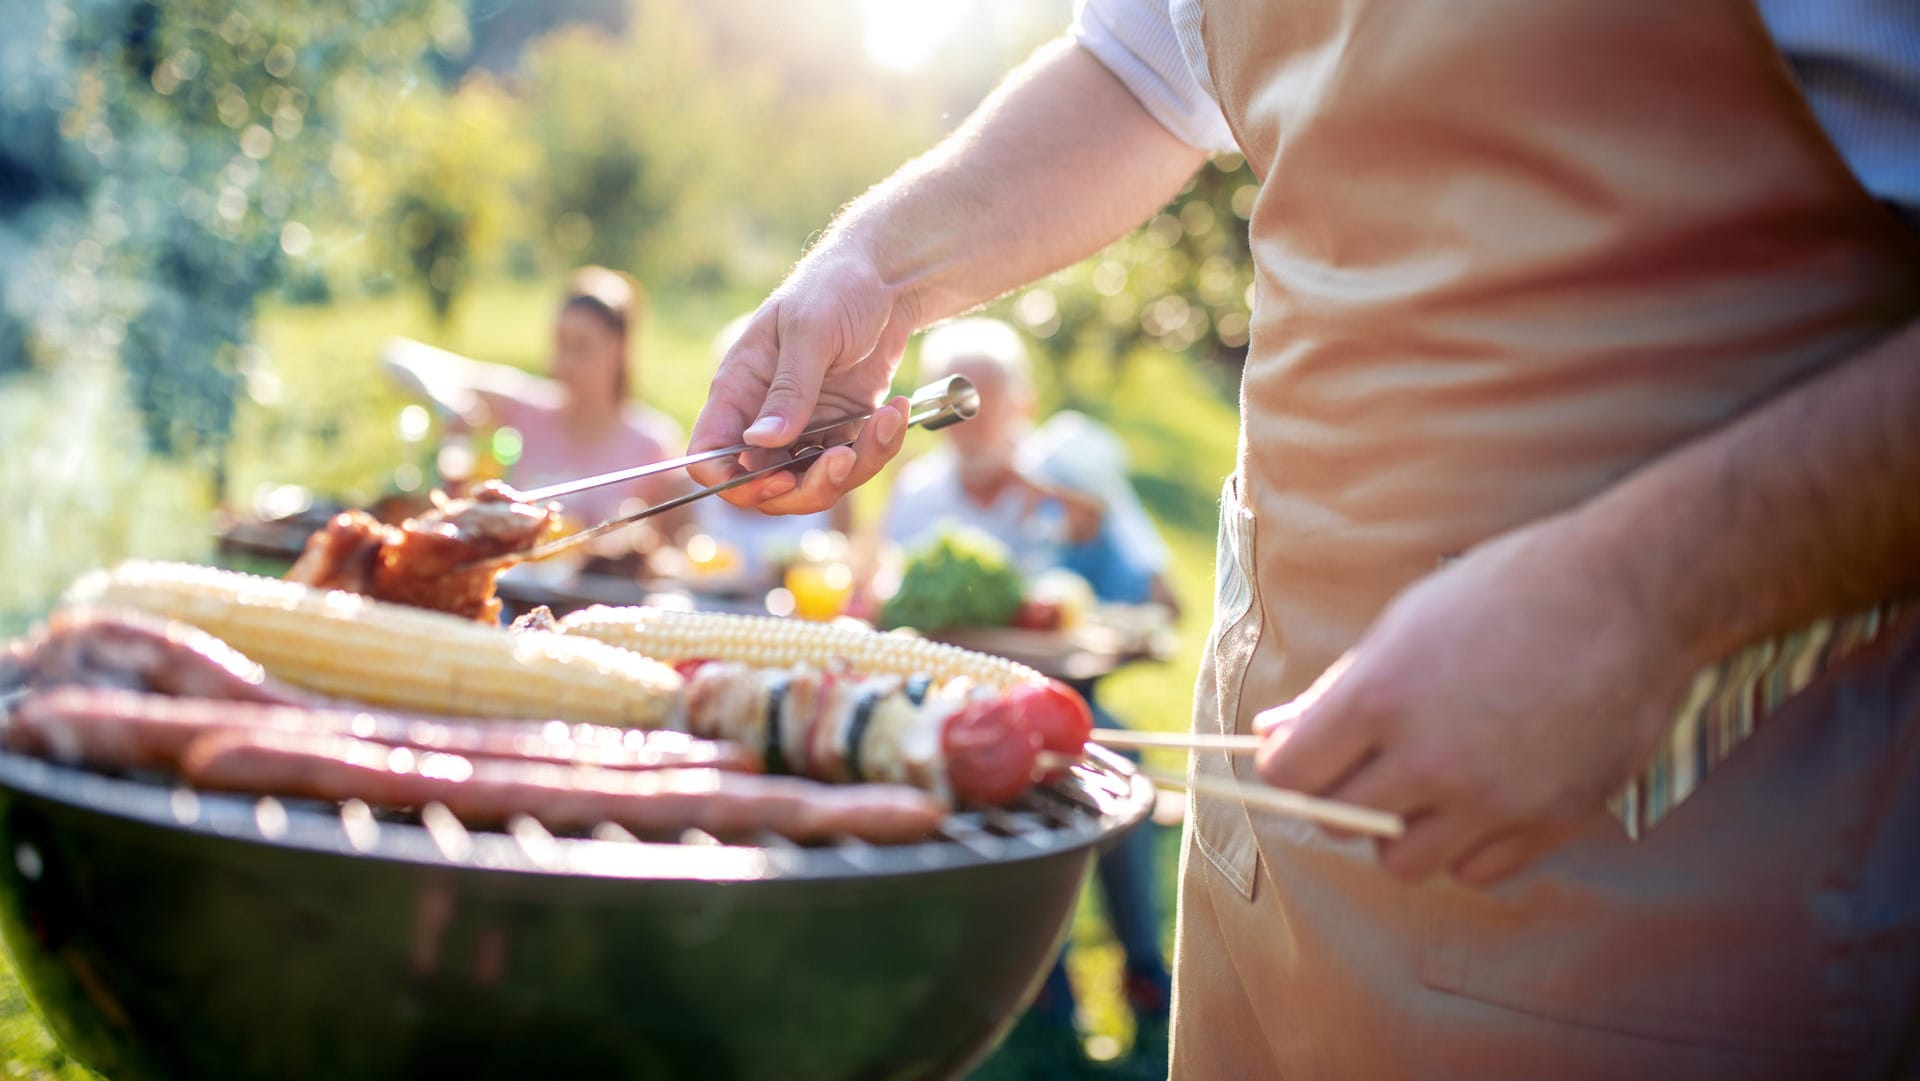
x: 443, y: 173
x: 160, y: 162
x: 190, y: 137
x: 1182, y: 282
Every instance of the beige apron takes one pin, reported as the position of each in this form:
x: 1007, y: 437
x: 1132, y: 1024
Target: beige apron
x: 1506, y: 251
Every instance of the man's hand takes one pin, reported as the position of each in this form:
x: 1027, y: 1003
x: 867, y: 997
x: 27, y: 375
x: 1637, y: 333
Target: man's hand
x: 1496, y: 704
x: 829, y: 341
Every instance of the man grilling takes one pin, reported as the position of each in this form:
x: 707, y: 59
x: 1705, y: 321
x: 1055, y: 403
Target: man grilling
x: 1575, y: 503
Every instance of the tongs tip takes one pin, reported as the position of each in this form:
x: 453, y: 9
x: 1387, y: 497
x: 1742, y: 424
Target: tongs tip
x: 939, y: 404
x: 958, y: 400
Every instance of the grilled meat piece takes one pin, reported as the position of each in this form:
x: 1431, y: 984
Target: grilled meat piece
x: 423, y: 561
x: 343, y: 553
x: 131, y: 651
x: 126, y: 730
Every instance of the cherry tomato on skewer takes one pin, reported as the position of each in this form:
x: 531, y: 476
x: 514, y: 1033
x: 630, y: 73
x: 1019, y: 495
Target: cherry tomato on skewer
x: 1055, y: 712
x: 990, y: 753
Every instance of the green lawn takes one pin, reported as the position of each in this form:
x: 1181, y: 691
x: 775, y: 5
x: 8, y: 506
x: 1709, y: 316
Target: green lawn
x: 327, y: 419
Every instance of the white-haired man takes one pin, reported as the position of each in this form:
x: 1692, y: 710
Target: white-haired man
x: 978, y: 476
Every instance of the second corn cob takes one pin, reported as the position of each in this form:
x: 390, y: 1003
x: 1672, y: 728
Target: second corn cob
x: 770, y: 642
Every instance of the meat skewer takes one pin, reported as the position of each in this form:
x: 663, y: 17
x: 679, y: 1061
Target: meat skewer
x: 967, y: 742
x: 137, y: 652
x: 973, y: 738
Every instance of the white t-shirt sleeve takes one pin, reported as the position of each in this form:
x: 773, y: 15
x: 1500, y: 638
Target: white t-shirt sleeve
x: 1136, y: 41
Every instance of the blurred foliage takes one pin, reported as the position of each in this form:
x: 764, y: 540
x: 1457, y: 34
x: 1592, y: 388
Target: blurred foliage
x: 1183, y: 282
x: 200, y: 152
x: 443, y: 174
x: 627, y: 141
x: 158, y: 164
x: 681, y: 153
x: 160, y: 157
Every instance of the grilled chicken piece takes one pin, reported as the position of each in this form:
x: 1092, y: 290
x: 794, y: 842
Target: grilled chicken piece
x: 422, y: 561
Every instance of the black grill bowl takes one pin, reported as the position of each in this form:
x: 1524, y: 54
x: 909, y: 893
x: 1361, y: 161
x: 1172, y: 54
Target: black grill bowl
x: 164, y: 934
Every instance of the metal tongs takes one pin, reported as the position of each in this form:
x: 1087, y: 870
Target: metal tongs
x: 937, y: 405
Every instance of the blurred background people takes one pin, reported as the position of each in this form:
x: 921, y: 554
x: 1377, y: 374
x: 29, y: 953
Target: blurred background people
x: 1058, y: 497
x: 1124, y: 560
x: 583, y: 418
x: 977, y: 476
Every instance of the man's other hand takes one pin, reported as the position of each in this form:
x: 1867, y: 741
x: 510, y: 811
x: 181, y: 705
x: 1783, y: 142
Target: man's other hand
x: 1496, y: 704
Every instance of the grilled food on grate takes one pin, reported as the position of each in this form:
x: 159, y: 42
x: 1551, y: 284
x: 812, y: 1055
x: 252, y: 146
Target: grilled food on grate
x: 955, y: 728
x: 352, y: 646
x: 432, y: 561
x: 490, y: 792
x: 129, y: 730
x: 104, y: 715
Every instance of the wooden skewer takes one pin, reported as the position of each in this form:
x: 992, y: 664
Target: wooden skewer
x: 1284, y: 801
x: 1192, y: 741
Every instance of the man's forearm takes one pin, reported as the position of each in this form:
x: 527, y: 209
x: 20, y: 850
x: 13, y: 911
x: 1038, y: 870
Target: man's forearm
x: 1058, y: 162
x: 1807, y: 505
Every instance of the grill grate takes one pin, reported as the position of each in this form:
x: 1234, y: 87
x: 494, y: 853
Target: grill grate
x: 1094, y: 798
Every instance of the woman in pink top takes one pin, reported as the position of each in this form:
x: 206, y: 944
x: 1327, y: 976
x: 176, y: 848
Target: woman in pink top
x: 582, y: 419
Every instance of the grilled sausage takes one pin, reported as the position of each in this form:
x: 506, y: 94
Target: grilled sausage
x: 490, y: 791
x: 114, y: 729
x: 137, y: 652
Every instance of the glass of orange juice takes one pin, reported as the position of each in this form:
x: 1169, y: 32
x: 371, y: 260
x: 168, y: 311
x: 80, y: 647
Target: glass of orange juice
x: 820, y: 590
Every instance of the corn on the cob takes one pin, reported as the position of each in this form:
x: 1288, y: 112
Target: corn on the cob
x: 766, y: 641
x: 351, y: 646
